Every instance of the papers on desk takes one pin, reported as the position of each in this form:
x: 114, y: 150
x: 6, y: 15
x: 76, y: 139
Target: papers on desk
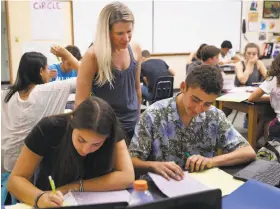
x: 19, y: 206
x: 86, y: 198
x: 216, y: 178
x: 234, y: 97
x: 71, y: 98
x: 175, y: 188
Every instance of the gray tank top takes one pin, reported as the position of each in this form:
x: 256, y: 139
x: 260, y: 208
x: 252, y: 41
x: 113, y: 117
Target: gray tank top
x: 254, y: 77
x: 122, y: 96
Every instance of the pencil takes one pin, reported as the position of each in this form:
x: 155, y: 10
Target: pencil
x: 52, y: 184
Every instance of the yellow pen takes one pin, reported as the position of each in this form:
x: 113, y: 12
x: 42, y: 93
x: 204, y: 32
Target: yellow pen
x: 52, y: 184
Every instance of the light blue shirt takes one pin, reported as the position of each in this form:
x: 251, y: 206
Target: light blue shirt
x: 60, y: 74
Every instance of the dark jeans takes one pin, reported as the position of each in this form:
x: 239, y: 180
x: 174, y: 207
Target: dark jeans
x: 146, y: 94
x: 274, y: 129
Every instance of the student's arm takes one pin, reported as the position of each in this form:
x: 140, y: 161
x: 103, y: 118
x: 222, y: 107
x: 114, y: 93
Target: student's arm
x: 20, y: 186
x: 138, y: 73
x: 121, y: 178
x: 65, y: 54
x: 237, y: 149
x: 190, y: 57
x: 171, y: 72
x: 85, y: 77
x: 141, y: 147
x: 145, y: 80
x: 262, y: 68
x: 243, y: 76
x: 258, y: 95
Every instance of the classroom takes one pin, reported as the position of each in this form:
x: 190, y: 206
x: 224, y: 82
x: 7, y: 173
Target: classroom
x: 140, y: 104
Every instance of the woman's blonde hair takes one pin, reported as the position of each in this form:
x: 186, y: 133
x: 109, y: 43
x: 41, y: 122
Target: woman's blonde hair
x: 110, y: 14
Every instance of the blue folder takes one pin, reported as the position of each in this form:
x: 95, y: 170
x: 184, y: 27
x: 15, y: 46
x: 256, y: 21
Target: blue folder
x: 253, y: 195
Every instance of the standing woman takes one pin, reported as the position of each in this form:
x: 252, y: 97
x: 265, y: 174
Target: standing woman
x: 111, y: 67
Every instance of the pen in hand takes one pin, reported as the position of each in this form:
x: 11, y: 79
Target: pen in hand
x: 52, y: 185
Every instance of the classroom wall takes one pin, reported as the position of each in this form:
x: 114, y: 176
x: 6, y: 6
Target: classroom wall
x: 19, y: 27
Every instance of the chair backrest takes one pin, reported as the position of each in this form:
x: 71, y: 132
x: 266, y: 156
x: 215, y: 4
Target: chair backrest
x: 163, y: 88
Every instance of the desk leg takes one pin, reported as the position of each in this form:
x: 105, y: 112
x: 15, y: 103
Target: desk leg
x: 220, y: 105
x: 252, y: 126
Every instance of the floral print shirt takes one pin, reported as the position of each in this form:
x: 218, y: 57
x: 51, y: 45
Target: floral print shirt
x: 160, y: 135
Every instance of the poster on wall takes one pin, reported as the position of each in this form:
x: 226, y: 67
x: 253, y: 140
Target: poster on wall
x: 271, y: 9
x: 47, y: 20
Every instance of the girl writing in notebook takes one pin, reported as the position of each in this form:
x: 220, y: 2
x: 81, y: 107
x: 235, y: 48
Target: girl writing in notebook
x: 271, y: 86
x: 83, y: 150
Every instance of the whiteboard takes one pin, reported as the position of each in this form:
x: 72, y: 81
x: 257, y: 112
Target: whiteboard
x: 181, y: 26
x: 85, y: 17
x: 43, y: 47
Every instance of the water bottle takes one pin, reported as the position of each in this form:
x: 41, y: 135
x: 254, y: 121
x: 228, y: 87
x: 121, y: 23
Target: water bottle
x: 140, y: 193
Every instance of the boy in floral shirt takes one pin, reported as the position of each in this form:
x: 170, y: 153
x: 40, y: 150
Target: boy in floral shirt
x: 186, y: 131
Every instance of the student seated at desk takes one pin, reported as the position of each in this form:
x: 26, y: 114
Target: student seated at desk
x: 252, y: 69
x: 271, y: 86
x: 68, y: 68
x: 209, y: 56
x: 227, y: 56
x: 31, y: 98
x: 151, y: 70
x: 84, y: 150
x: 185, y: 131
x: 195, y: 56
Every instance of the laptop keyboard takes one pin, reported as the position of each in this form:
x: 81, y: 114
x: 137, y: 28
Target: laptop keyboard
x: 270, y: 176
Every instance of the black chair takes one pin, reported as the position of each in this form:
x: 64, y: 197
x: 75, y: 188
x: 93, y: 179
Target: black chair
x: 163, y: 88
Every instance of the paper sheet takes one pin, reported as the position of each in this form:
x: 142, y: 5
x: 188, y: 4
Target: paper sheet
x: 19, y: 206
x: 175, y: 188
x: 71, y: 98
x: 85, y: 198
x: 216, y: 178
x: 234, y: 97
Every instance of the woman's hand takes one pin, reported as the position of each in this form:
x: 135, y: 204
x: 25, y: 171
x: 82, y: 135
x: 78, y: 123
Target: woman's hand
x: 50, y: 199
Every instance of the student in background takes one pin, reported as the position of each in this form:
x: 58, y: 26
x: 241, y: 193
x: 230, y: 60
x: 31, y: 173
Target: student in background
x: 151, y: 70
x: 271, y: 86
x: 209, y: 56
x: 186, y: 131
x: 111, y: 67
x: 26, y: 102
x: 227, y: 56
x: 252, y: 69
x: 195, y: 56
x: 70, y: 57
x: 83, y: 150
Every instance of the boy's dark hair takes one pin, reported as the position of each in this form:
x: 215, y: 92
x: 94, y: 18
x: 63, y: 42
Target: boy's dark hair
x: 146, y: 54
x: 208, y: 52
x: 226, y: 44
x: 75, y: 51
x: 198, y: 52
x: 207, y: 77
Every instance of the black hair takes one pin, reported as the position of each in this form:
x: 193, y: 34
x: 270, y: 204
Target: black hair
x: 146, y: 54
x: 226, y: 44
x: 75, y: 51
x: 198, y: 52
x: 97, y: 115
x: 208, y: 52
x: 207, y: 77
x: 28, y: 73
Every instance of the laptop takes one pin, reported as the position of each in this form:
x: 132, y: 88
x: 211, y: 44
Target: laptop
x: 261, y: 170
x: 211, y: 199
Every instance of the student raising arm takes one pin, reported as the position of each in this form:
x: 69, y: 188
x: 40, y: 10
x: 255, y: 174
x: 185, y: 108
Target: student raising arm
x: 83, y: 150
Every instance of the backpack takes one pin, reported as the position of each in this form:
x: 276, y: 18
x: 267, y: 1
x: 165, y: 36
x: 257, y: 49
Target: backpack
x: 270, y: 151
